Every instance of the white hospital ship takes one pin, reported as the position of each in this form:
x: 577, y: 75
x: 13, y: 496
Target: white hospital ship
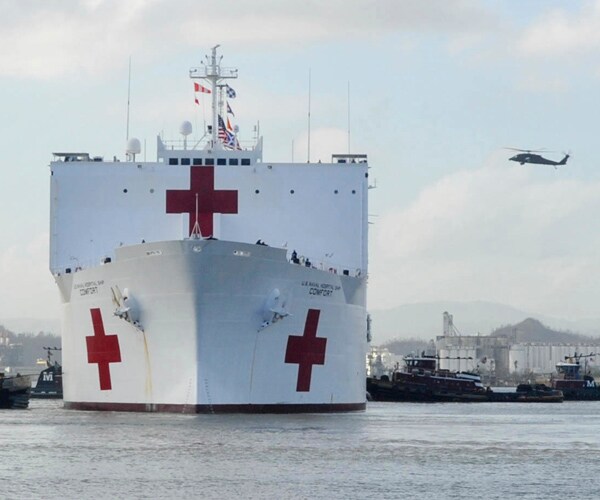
x: 172, y: 301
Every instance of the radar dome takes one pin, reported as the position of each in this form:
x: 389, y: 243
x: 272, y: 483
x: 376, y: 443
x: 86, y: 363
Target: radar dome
x: 185, y: 128
x: 133, y: 146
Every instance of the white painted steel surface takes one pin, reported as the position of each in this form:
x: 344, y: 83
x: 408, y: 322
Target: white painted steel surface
x: 155, y: 319
x: 202, y: 313
x: 319, y: 210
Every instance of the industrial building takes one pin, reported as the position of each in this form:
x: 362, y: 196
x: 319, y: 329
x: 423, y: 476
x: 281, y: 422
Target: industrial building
x: 503, y: 357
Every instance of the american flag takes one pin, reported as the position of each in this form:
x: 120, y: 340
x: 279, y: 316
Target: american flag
x: 227, y: 138
x: 222, y: 130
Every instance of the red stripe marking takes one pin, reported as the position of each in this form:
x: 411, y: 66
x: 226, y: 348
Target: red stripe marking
x: 229, y: 408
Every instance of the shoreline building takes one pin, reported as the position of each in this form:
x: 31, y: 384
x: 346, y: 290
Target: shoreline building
x: 503, y: 356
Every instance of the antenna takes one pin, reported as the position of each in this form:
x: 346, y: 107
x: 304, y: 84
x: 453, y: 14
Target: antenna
x: 215, y: 70
x: 348, y: 116
x: 128, y: 99
x: 308, y: 159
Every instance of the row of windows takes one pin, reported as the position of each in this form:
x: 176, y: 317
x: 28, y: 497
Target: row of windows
x: 208, y: 161
x: 256, y: 191
x: 335, y: 191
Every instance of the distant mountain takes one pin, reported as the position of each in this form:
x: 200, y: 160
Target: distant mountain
x: 425, y: 321
x: 402, y: 347
x: 31, y: 325
x: 532, y: 330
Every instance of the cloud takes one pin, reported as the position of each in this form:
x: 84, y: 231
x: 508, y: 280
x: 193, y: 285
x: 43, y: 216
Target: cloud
x: 28, y: 290
x: 498, y: 234
x: 561, y: 33
x: 64, y: 37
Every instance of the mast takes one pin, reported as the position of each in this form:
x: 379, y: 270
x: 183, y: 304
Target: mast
x: 213, y: 79
x: 213, y: 73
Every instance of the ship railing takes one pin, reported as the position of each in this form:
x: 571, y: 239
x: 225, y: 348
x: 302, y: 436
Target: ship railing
x: 77, y: 265
x: 327, y: 266
x: 199, y: 145
x: 323, y: 265
x: 349, y: 158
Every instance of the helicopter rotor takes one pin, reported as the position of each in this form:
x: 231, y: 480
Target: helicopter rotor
x: 530, y: 150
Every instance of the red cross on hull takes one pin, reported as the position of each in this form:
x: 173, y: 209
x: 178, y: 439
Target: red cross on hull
x: 102, y: 349
x: 202, y: 184
x: 306, y: 350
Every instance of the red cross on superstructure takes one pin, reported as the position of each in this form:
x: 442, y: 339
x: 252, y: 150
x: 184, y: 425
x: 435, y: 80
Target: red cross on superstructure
x: 209, y: 201
x: 102, y: 349
x: 306, y: 351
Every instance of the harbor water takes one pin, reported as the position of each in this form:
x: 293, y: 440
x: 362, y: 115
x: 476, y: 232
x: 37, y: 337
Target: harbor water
x: 391, y: 450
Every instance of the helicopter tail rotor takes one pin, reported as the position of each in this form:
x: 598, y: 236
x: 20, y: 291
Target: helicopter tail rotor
x: 564, y: 160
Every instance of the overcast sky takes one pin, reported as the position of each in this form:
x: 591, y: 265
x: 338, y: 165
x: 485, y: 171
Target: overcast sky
x: 437, y: 89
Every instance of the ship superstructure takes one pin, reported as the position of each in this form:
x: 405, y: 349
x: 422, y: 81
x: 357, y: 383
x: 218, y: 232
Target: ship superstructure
x: 209, y: 279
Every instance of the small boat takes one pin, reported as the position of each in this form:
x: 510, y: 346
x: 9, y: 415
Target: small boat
x: 528, y: 393
x: 14, y: 391
x: 49, y: 383
x: 574, y: 385
x: 422, y: 380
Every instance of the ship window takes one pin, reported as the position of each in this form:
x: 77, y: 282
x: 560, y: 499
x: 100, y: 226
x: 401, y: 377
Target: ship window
x: 245, y: 161
x: 257, y: 191
x: 336, y: 191
x: 125, y: 190
x: 197, y: 161
x: 173, y: 161
x: 233, y: 161
x: 221, y: 161
x: 185, y: 161
x: 292, y: 191
x: 354, y: 191
x: 209, y: 161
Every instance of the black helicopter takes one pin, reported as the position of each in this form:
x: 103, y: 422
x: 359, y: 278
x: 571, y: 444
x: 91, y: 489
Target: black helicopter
x: 527, y: 156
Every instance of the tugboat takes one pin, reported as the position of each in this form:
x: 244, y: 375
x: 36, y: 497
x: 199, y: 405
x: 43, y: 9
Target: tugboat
x: 422, y: 380
x: 574, y: 385
x: 14, y: 391
x: 49, y: 383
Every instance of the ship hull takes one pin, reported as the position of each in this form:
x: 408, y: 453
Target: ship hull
x: 212, y: 326
x: 14, y: 392
x: 428, y: 389
x: 578, y: 389
x: 592, y: 394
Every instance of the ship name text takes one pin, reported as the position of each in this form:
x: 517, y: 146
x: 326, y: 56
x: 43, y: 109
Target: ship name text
x: 88, y: 288
x: 320, y: 289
